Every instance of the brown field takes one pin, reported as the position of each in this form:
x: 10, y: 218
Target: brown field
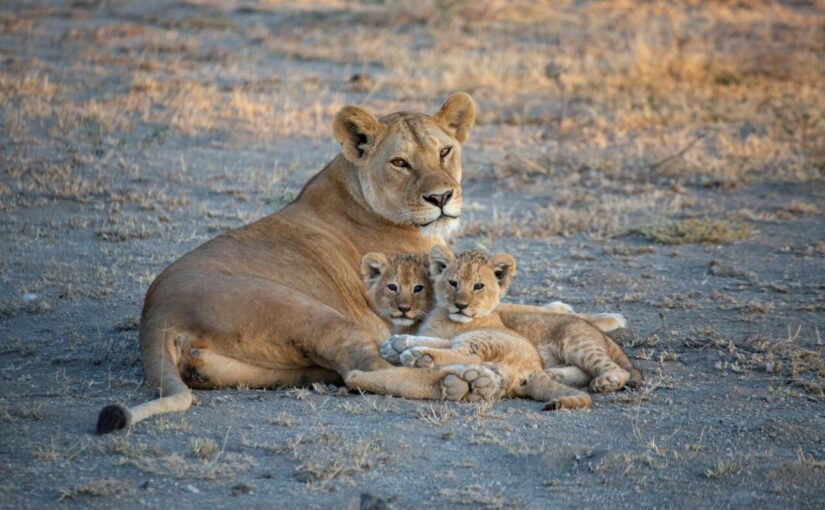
x: 663, y: 159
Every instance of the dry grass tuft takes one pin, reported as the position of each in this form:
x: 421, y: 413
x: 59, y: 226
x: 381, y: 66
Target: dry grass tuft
x: 724, y: 468
x: 696, y: 231
x: 97, y: 488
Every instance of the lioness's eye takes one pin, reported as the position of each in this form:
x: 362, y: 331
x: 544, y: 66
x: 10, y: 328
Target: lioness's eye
x: 445, y: 152
x: 453, y: 283
x: 400, y: 163
x: 418, y: 288
x: 393, y: 287
x: 478, y: 286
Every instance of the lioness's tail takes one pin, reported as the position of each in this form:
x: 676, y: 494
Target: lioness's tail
x: 619, y: 357
x: 160, y: 357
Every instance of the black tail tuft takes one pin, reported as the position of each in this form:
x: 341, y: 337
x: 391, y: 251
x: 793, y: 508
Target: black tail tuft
x: 112, y: 417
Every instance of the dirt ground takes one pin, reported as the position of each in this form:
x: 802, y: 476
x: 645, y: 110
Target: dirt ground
x: 665, y: 160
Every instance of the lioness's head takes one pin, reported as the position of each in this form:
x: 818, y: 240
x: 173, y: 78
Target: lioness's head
x: 409, y: 164
x: 470, y: 284
x: 399, y: 287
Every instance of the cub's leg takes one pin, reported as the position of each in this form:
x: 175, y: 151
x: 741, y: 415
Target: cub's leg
x: 540, y: 386
x: 454, y: 382
x: 588, y: 352
x: 421, y: 356
x: 392, y: 348
x: 522, y: 317
x: 569, y: 376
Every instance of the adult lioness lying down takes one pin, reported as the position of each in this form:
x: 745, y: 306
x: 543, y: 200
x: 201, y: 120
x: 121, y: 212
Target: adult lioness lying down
x: 280, y: 302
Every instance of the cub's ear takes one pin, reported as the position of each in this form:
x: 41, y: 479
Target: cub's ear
x: 356, y: 130
x: 372, y: 267
x: 504, y: 267
x: 457, y: 116
x: 440, y: 257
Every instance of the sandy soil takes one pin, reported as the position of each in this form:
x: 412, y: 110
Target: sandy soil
x: 663, y: 160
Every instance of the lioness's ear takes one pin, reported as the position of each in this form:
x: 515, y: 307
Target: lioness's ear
x: 504, y: 267
x: 440, y: 257
x: 372, y: 267
x: 356, y: 130
x: 457, y: 116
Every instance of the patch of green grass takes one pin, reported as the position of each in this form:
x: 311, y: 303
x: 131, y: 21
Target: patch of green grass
x: 695, y: 231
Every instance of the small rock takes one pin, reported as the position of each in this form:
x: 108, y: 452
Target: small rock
x: 191, y: 488
x: 370, y: 502
x: 242, y: 488
x: 28, y: 297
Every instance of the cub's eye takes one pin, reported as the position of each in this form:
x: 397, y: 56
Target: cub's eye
x: 478, y: 286
x: 418, y: 289
x: 445, y: 152
x: 393, y: 287
x: 453, y: 283
x: 400, y: 163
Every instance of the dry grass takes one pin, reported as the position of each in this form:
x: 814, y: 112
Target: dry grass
x: 97, y: 488
x: 724, y: 468
x: 696, y: 231
x: 798, y: 366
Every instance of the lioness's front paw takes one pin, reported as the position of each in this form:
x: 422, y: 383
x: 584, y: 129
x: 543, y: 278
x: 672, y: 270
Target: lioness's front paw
x: 473, y: 383
x: 415, y: 357
x: 559, y: 307
x: 391, y: 349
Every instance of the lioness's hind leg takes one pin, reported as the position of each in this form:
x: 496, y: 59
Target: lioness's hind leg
x: 207, y: 369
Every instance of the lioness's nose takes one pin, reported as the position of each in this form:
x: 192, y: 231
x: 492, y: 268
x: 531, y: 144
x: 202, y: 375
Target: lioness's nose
x: 404, y: 309
x: 439, y: 199
x: 461, y: 306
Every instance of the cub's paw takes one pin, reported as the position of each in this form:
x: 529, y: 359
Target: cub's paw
x: 392, y: 348
x: 558, y: 307
x: 416, y: 357
x: 610, y: 381
x: 473, y: 383
x: 580, y: 400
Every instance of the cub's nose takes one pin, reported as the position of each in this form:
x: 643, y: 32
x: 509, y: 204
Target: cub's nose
x: 404, y: 309
x: 461, y: 306
x: 439, y: 199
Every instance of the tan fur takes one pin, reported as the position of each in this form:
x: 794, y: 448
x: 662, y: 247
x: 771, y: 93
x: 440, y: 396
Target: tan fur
x: 573, y: 350
x: 464, y: 329
x: 398, y: 288
x: 280, y: 302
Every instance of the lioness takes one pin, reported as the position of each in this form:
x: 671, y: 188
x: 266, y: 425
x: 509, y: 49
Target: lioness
x: 464, y: 328
x: 279, y: 302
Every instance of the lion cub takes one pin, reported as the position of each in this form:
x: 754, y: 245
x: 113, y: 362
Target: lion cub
x: 399, y: 289
x: 468, y: 288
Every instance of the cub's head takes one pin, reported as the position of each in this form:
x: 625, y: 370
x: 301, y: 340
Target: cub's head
x: 409, y: 164
x: 470, y: 284
x: 399, y: 287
